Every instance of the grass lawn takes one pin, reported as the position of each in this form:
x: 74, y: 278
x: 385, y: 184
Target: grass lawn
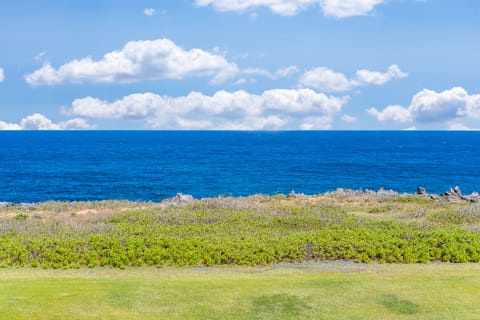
x: 325, y: 290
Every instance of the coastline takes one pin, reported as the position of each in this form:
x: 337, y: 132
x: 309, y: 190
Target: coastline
x: 452, y: 195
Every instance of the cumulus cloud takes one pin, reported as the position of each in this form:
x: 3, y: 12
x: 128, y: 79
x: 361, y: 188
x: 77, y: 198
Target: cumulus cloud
x: 136, y: 61
x: 149, y: 12
x: 391, y: 113
x: 9, y: 126
x: 366, y: 77
x: 428, y: 106
x: 239, y: 110
x: 38, y: 121
x: 331, y: 8
x: 327, y: 80
x: 2, y: 75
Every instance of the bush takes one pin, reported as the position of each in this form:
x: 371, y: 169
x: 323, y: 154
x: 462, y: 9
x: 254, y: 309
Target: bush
x: 202, y: 234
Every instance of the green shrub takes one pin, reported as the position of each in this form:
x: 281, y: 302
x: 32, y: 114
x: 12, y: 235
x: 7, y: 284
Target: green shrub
x: 214, y: 235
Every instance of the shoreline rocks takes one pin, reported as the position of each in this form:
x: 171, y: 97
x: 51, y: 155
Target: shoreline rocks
x: 453, y: 194
x: 178, y: 199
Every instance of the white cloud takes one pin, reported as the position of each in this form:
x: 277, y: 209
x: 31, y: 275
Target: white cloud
x: 331, y: 8
x: 286, y: 72
x: 9, y: 126
x: 327, y: 80
x: 428, y: 106
x: 240, y: 81
x: 391, y: 113
x: 149, y: 12
x: 365, y: 77
x: 40, y: 56
x: 349, y: 119
x: 240, y: 110
x: 136, y: 61
x: 317, y: 123
x: 458, y: 126
x: 2, y: 75
x: 38, y: 121
x: 257, y: 72
x: 348, y: 8
x: 75, y: 124
x: 278, y: 74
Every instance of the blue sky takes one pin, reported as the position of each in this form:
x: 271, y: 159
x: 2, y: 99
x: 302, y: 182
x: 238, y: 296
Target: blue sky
x: 240, y: 65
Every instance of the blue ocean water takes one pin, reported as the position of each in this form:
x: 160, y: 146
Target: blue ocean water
x: 154, y: 165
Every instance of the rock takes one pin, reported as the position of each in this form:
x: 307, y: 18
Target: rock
x: 293, y: 194
x: 454, y: 194
x: 4, y: 205
x: 180, y: 198
x: 457, y: 190
x: 28, y: 206
x: 421, y: 191
x: 473, y: 197
x: 37, y: 216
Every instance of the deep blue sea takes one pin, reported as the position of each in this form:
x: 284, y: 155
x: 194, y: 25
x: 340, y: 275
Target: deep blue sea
x: 154, y: 165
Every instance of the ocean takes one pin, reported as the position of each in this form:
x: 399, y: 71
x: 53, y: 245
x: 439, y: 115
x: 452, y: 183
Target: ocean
x: 153, y: 165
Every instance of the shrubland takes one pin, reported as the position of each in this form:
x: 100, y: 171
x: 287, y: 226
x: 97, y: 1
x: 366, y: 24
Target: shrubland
x: 256, y: 230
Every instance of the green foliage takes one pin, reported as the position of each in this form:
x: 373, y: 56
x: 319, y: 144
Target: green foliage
x: 380, y: 209
x: 21, y: 217
x: 412, y: 199
x: 216, y: 234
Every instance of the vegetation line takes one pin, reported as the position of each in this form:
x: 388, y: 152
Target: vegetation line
x: 256, y: 230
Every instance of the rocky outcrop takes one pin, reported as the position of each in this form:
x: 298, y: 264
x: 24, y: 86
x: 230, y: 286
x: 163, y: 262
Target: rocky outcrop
x: 421, y: 191
x: 473, y: 197
x: 453, y: 194
x: 293, y: 194
x: 178, y: 199
x: 28, y: 206
x: 381, y: 194
x: 4, y: 205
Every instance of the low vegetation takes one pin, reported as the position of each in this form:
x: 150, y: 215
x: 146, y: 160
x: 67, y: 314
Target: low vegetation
x: 257, y: 230
x: 331, y: 290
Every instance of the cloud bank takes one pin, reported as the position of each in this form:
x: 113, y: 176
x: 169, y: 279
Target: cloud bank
x: 330, y: 8
x: 428, y: 106
x: 136, y: 61
x: 2, y: 75
x: 239, y: 110
x: 327, y: 80
x: 38, y: 121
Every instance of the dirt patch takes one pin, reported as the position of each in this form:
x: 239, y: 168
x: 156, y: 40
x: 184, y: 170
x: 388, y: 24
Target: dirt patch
x: 86, y: 212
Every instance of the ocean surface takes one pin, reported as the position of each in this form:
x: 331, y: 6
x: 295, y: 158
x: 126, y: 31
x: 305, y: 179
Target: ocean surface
x: 154, y: 165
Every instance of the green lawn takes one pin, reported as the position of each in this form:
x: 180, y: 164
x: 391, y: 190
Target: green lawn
x: 328, y: 290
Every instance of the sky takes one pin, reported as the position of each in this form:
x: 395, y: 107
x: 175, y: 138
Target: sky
x: 240, y: 65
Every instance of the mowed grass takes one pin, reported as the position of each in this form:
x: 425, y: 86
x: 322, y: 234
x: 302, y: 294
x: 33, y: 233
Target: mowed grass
x: 326, y: 290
